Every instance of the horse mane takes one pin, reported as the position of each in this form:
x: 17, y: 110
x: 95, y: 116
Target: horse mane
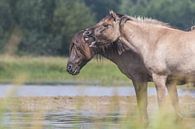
x: 113, y: 48
x: 149, y: 21
x: 142, y: 19
x: 105, y: 51
x: 146, y: 20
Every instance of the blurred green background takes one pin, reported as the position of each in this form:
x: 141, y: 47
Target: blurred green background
x: 45, y: 27
x: 35, y: 35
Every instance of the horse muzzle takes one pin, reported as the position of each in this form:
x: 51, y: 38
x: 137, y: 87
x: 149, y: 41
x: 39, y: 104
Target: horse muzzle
x: 73, y: 69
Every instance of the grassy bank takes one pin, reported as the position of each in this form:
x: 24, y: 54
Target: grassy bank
x: 53, y: 70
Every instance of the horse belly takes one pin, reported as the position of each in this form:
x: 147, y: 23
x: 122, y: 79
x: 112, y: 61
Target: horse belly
x: 181, y: 60
x: 184, y: 67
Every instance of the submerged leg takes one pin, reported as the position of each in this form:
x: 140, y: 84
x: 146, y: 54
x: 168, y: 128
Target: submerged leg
x: 141, y: 95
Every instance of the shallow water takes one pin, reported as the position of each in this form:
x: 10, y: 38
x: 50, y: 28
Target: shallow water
x: 62, y: 120
x: 61, y: 90
x: 68, y: 119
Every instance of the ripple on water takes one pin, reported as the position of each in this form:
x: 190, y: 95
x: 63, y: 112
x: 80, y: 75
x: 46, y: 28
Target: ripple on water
x: 61, y: 120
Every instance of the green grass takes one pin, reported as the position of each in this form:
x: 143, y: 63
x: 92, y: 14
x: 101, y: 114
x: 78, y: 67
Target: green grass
x: 53, y: 70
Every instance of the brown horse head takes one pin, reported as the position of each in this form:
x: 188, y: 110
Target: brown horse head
x: 80, y: 53
x: 107, y: 30
x: 82, y: 50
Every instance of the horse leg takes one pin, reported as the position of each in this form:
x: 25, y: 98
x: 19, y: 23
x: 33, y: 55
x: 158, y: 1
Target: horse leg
x: 160, y: 83
x: 172, y: 89
x: 141, y: 95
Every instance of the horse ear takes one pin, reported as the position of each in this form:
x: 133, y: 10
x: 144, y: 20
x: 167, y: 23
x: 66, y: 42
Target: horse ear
x: 114, y: 15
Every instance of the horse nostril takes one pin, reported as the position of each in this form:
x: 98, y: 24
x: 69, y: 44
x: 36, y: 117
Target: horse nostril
x: 69, y: 67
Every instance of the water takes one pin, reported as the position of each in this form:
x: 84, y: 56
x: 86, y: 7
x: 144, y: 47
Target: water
x: 62, y: 120
x: 61, y: 90
x: 68, y: 119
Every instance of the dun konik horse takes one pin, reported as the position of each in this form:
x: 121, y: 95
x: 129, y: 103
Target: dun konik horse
x: 165, y: 51
x: 127, y: 61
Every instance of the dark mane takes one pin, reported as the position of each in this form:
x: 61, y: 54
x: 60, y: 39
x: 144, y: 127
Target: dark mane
x: 105, y: 51
x: 116, y: 48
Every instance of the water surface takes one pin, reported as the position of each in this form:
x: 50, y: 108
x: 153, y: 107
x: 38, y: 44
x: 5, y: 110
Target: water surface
x: 62, y: 120
x: 70, y: 90
x: 69, y: 119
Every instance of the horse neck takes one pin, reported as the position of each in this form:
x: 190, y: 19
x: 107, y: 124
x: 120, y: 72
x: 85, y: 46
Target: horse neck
x: 110, y: 55
x: 139, y: 36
